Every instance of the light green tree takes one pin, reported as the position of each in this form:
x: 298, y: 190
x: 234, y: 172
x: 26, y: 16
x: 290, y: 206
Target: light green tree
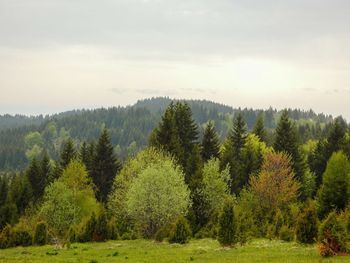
x: 215, y: 188
x: 69, y: 199
x: 157, y: 197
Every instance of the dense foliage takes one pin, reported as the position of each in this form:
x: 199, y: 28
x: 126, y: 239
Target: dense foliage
x: 205, y: 170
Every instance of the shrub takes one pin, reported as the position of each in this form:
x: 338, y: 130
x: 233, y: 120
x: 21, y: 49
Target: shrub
x: 101, y: 231
x: 162, y: 233
x: 40, y: 235
x: 5, y: 236
x: 278, y: 223
x: 306, y: 226
x: 227, y: 225
x: 286, y: 233
x: 180, y: 232
x: 21, y: 238
x: 331, y: 236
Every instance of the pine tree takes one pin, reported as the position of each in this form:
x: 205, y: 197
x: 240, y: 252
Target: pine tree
x: 45, y: 173
x: 334, y: 192
x: 68, y: 153
x: 34, y: 176
x: 105, y: 166
x: 286, y: 141
x: 259, y: 129
x: 227, y: 234
x: 210, y: 143
x: 4, y: 187
x: 177, y: 134
x: 20, y: 192
x: 234, y: 156
x: 325, y: 148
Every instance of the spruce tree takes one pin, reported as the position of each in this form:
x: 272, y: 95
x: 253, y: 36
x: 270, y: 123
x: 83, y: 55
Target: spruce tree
x: 68, y: 153
x: 286, y: 141
x: 104, y: 167
x: 34, y: 176
x: 259, y: 129
x: 227, y: 233
x: 334, y: 192
x: 45, y: 172
x: 325, y: 148
x: 210, y: 143
x: 177, y: 134
x: 234, y: 155
x: 3, y: 189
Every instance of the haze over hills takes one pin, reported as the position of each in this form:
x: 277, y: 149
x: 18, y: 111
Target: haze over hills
x: 22, y: 137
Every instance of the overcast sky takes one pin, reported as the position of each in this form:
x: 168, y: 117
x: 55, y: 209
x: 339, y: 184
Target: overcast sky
x: 59, y: 55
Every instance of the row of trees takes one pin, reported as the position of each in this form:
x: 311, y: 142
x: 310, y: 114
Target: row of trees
x: 178, y: 187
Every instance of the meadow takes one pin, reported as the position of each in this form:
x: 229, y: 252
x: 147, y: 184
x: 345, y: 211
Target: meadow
x: 203, y: 250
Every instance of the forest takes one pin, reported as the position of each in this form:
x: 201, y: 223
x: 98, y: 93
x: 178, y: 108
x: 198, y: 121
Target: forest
x: 174, y: 171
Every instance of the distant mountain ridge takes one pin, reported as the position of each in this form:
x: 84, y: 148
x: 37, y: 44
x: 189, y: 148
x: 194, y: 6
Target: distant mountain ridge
x: 130, y: 126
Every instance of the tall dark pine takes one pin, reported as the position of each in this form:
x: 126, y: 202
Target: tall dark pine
x: 210, y: 143
x: 35, y: 178
x: 234, y: 156
x: 259, y: 129
x: 4, y: 187
x: 68, y: 153
x: 45, y: 172
x: 104, y: 167
x: 325, y: 148
x: 286, y: 141
x: 177, y: 133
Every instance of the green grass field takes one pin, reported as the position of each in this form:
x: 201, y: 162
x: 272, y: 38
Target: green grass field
x: 205, y: 250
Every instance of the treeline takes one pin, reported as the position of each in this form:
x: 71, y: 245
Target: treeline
x: 183, y: 186
x: 21, y: 137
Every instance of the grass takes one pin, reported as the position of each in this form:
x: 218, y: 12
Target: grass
x: 204, y: 250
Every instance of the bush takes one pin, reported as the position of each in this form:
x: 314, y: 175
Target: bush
x: 162, y: 233
x: 5, y: 236
x: 21, y: 238
x: 40, y: 235
x: 181, y: 231
x: 306, y: 226
x: 286, y: 233
x: 96, y: 229
x: 278, y: 223
x: 227, y: 234
x: 332, y: 236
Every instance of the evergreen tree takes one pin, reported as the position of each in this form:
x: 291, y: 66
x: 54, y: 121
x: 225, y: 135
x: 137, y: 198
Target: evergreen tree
x: 68, y: 153
x: 306, y: 225
x: 286, y: 141
x: 234, y: 156
x: 34, y: 176
x: 210, y: 143
x: 3, y: 189
x: 325, y: 148
x: 334, y: 192
x: 259, y: 129
x: 105, y: 166
x: 45, y: 173
x: 177, y: 133
x: 20, y: 193
x: 227, y: 234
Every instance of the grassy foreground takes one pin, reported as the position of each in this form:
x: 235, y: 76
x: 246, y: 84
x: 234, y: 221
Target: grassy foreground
x: 204, y: 250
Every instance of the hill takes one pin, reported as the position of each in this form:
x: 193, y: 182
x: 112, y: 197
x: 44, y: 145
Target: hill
x: 130, y: 127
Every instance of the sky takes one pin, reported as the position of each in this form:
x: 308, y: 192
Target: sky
x: 58, y: 55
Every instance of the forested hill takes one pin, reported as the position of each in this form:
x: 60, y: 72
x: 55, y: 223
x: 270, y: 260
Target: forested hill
x: 22, y: 137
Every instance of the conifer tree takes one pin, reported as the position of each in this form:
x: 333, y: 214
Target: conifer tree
x: 177, y: 134
x: 45, y: 173
x: 233, y: 154
x: 227, y: 234
x: 34, y: 176
x: 68, y: 153
x: 259, y: 129
x: 286, y: 141
x: 3, y: 190
x: 210, y: 143
x: 325, y: 148
x: 105, y: 166
x: 20, y: 192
